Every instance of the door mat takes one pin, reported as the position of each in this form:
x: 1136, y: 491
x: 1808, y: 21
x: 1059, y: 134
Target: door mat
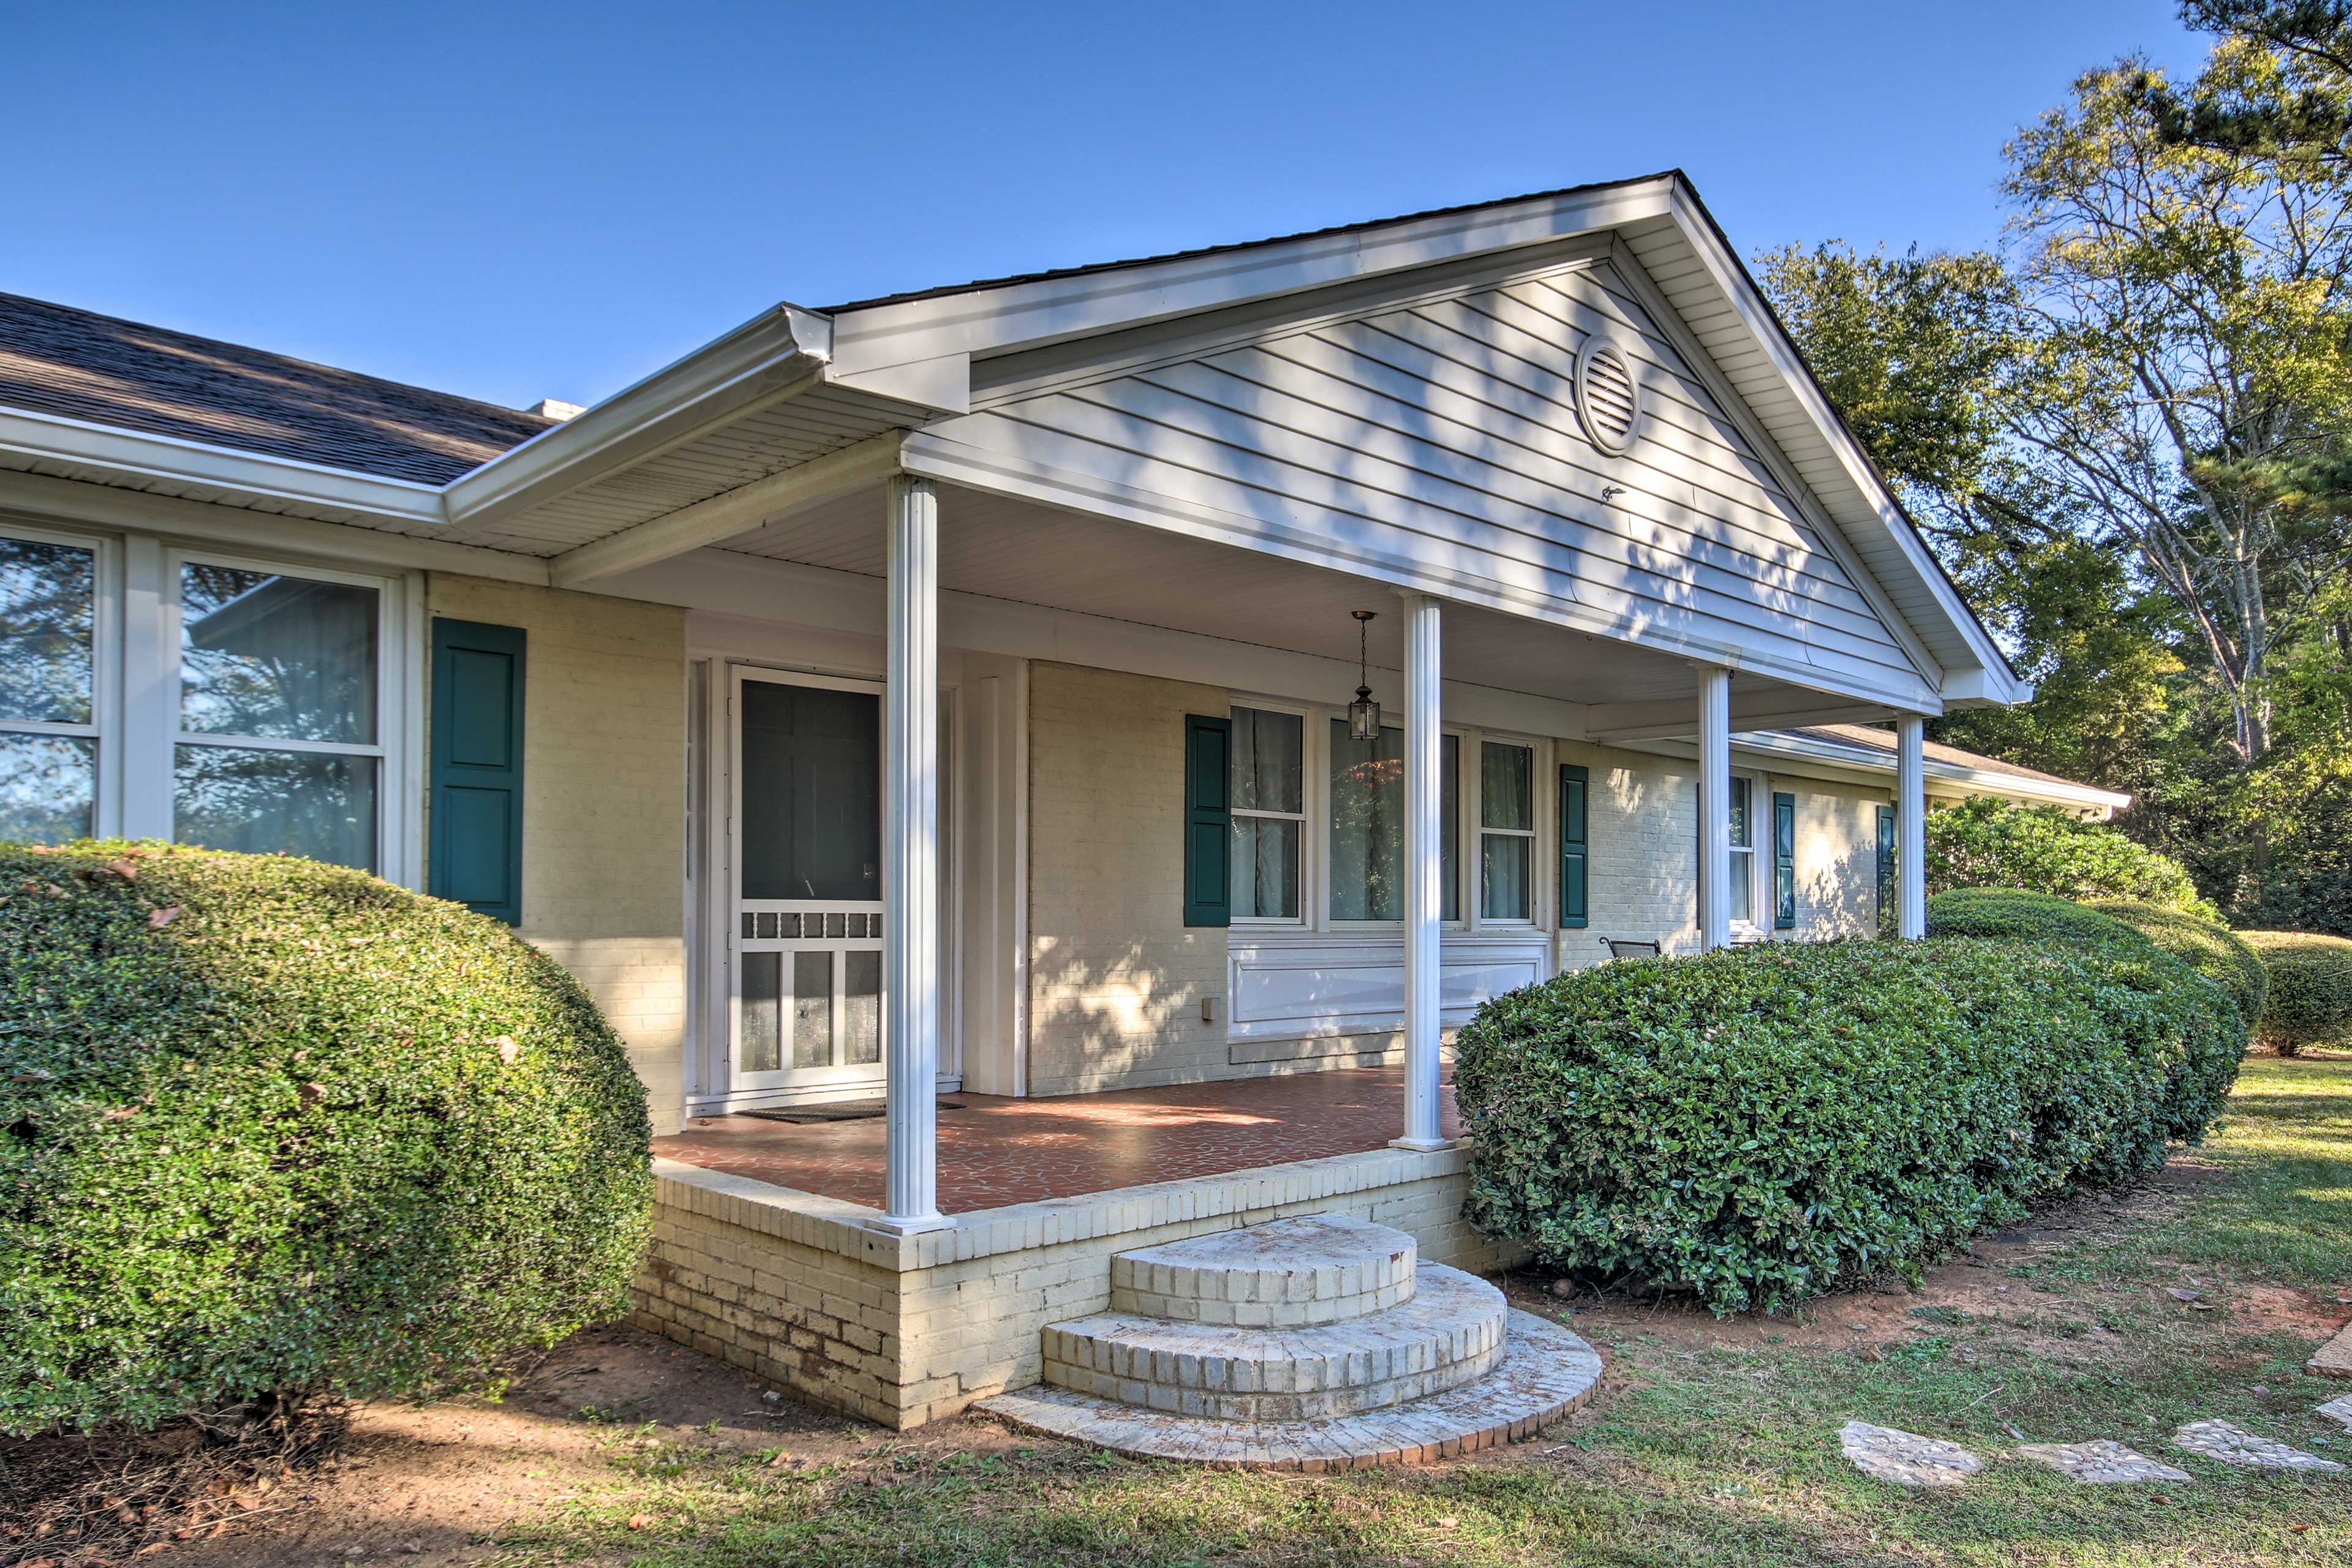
x: 839, y: 1110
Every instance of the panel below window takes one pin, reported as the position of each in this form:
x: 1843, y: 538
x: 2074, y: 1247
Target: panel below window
x: 46, y: 785
x: 315, y: 805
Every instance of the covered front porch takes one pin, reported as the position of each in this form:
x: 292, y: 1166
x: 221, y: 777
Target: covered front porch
x: 996, y: 1152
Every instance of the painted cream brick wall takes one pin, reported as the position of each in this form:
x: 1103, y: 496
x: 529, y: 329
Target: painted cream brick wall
x: 1837, y: 857
x: 1641, y: 875
x: 603, y: 806
x: 1116, y: 977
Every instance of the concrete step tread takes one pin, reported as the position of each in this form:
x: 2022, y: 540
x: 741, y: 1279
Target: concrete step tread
x: 1308, y: 1269
x: 1545, y: 1371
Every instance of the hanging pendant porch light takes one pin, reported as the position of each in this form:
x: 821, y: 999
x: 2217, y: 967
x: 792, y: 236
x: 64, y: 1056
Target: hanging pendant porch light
x: 1363, y: 713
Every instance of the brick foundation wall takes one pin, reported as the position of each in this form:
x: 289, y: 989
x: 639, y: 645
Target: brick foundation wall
x: 603, y: 879
x: 904, y: 1330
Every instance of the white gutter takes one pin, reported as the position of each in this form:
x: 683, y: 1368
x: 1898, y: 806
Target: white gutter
x: 76, y: 443
x: 1986, y: 781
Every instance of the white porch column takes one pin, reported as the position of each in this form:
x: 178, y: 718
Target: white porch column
x: 1714, y: 807
x: 1424, y: 868
x: 1910, y: 828
x: 911, y: 857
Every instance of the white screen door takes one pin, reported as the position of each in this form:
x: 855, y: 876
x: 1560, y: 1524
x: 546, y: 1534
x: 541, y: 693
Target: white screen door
x: 806, y: 932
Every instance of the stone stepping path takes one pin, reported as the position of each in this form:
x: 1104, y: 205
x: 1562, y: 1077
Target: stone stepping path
x: 1908, y: 1460
x: 2333, y: 1359
x: 2235, y: 1446
x: 2101, y: 1462
x: 1905, y: 1457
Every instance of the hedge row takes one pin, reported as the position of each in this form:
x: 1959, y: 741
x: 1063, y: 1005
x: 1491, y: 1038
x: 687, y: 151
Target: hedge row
x: 276, y: 1126
x: 2310, y: 999
x: 2211, y: 949
x: 1755, y: 1125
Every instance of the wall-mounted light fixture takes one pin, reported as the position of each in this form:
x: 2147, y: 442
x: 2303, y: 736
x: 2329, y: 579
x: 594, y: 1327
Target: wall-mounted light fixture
x: 1363, y: 713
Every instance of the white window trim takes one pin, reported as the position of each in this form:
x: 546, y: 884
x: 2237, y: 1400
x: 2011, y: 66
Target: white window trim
x: 1536, y: 771
x: 136, y: 695
x: 1306, y: 817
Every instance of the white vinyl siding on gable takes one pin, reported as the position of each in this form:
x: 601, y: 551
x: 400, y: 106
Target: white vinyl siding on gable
x: 1444, y: 433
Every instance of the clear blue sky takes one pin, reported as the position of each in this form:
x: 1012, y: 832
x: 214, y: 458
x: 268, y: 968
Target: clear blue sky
x: 550, y: 200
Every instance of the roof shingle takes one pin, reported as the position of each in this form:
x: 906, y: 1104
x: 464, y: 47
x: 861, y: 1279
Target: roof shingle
x: 77, y: 365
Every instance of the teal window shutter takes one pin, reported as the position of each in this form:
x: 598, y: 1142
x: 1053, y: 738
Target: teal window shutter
x: 1575, y: 826
x: 1885, y: 865
x: 1208, y: 820
x: 1784, y: 861
x: 475, y: 857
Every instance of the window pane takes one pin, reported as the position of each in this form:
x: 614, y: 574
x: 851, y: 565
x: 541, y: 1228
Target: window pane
x: 861, y: 1029
x: 1743, y: 886
x: 1743, y: 829
x: 813, y: 1009
x: 1266, y: 867
x: 762, y: 1048
x: 1267, y: 774
x: 46, y: 785
x: 1503, y: 872
x: 812, y: 793
x: 1507, y: 785
x: 48, y: 597
x: 264, y: 803
x: 283, y: 658
x: 1368, y: 825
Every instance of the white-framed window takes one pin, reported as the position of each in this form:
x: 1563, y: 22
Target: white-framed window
x: 54, y: 700
x: 1269, y: 814
x: 210, y: 697
x: 1743, y: 850
x: 1318, y: 823
x: 1507, y: 831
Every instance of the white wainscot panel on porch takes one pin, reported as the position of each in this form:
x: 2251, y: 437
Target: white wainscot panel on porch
x: 1286, y: 987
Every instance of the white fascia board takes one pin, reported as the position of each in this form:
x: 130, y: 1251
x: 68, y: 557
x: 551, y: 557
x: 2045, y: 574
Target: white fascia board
x: 108, y: 508
x: 1997, y: 684
x: 135, y: 454
x: 1677, y: 718
x: 1982, y: 780
x: 980, y: 323
x: 777, y: 354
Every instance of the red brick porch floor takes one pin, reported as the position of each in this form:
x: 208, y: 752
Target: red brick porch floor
x: 999, y: 1151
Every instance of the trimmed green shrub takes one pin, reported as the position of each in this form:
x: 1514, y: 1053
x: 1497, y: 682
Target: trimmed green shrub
x: 2310, y: 1001
x: 273, y: 1127
x: 1757, y: 1124
x: 1988, y: 843
x: 2211, y: 949
x: 2016, y: 913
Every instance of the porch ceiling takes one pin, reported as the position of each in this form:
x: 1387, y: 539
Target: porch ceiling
x: 1004, y: 548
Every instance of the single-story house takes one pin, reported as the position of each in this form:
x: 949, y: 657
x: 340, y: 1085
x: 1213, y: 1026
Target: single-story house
x: 1116, y: 682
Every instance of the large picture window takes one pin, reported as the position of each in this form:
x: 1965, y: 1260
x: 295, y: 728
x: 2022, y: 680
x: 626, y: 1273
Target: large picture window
x: 48, y: 690
x: 278, y: 742
x: 271, y: 733
x: 1367, y: 783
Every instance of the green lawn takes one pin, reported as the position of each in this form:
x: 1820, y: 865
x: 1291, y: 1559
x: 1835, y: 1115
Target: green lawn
x: 1713, y: 1443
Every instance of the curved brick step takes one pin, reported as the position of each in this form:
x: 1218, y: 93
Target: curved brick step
x: 1317, y: 1268
x: 1449, y: 1333
x: 1545, y: 1371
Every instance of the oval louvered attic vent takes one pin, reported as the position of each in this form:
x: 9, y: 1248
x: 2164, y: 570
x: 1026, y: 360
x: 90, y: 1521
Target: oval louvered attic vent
x: 1608, y: 398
